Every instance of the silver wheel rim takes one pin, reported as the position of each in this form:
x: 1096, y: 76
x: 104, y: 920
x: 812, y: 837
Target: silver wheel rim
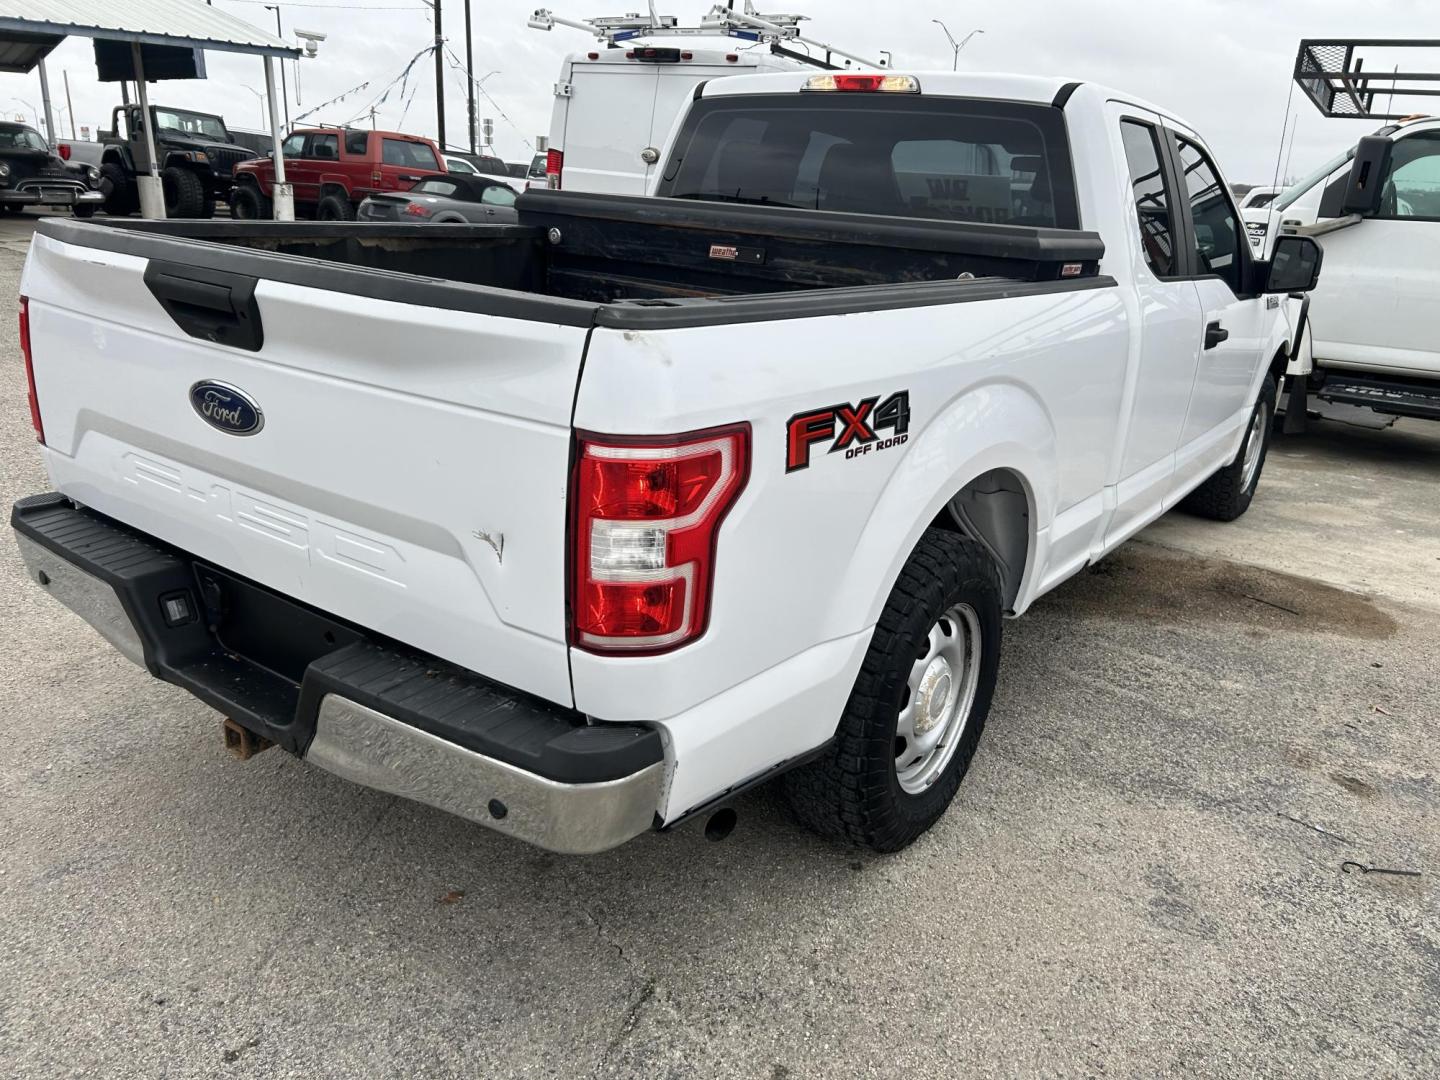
x: 939, y: 694
x: 1253, y: 442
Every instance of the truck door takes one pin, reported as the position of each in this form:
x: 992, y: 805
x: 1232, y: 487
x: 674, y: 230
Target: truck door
x: 1231, y: 322
x: 1375, y: 304
x: 1165, y: 349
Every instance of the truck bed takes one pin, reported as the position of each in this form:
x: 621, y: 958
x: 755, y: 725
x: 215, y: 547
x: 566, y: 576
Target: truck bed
x: 588, y: 259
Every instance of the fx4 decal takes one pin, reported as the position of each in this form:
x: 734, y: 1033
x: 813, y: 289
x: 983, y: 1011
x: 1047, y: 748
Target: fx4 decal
x: 854, y: 429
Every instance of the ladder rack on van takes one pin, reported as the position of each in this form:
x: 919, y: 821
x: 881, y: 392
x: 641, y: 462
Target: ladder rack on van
x: 775, y: 30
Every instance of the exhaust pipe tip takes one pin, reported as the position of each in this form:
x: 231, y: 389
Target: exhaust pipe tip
x: 720, y: 824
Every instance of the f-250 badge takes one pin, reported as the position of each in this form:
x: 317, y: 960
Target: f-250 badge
x: 853, y: 429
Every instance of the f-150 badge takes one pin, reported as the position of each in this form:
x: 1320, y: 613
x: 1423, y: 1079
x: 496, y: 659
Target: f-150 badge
x: 853, y: 429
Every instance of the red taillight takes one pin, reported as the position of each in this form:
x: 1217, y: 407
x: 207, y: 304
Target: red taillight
x: 645, y: 517
x: 30, y: 368
x: 63, y: 150
x: 554, y: 166
x: 416, y: 210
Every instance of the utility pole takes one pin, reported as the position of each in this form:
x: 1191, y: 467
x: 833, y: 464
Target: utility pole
x: 439, y: 79
x: 284, y: 92
x: 69, y: 105
x: 469, y: 76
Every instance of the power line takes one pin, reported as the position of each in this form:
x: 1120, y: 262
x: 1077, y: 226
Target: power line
x: 456, y: 63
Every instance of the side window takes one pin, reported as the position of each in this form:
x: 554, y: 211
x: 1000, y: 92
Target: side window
x: 414, y: 154
x: 1412, y: 190
x: 325, y: 147
x: 1152, y: 198
x: 1217, y: 230
x: 498, y: 196
x: 293, y: 146
x: 356, y: 142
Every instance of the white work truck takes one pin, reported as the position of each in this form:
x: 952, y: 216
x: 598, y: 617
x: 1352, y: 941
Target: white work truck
x: 578, y: 527
x: 1372, y: 336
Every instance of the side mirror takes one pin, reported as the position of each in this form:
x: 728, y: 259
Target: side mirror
x: 1367, y: 175
x: 1295, y: 265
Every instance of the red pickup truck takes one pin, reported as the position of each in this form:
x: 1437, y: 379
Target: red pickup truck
x: 332, y: 170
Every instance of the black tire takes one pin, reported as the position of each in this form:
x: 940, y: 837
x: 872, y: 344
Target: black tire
x: 122, y: 197
x: 1227, y: 494
x: 853, y: 792
x: 86, y: 211
x: 334, y: 207
x: 248, y: 203
x: 12, y: 208
x: 184, y: 193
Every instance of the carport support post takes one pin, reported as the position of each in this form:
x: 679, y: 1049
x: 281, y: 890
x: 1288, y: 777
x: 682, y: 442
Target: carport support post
x: 152, y: 194
x: 283, y: 195
x: 50, y: 133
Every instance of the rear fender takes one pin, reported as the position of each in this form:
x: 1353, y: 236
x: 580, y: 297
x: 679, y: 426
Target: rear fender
x: 957, y: 446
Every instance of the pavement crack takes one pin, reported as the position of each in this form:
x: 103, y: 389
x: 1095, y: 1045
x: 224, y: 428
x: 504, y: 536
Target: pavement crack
x: 628, y: 1023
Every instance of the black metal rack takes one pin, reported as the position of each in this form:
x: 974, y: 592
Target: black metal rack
x: 1334, y: 77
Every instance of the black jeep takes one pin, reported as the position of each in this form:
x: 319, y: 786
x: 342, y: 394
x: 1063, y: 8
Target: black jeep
x: 196, y: 153
x: 32, y: 175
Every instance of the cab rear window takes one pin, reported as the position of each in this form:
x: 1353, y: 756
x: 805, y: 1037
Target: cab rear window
x: 954, y: 159
x: 404, y: 152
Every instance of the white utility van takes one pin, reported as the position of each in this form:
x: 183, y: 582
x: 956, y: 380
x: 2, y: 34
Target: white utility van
x: 616, y: 102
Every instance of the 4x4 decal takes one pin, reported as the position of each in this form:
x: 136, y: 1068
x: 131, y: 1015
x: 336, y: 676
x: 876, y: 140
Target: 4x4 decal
x: 854, y: 429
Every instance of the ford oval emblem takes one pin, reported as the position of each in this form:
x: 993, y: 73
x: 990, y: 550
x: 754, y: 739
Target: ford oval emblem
x: 226, y: 407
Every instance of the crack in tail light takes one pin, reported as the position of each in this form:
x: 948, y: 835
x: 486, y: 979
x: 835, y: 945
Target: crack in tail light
x: 30, y: 369
x: 645, y: 518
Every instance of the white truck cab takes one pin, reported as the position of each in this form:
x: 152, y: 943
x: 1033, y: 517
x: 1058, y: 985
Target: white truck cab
x: 1372, y: 337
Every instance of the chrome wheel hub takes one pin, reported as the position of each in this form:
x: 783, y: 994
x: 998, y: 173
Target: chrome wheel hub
x: 938, y: 697
x: 1254, y: 440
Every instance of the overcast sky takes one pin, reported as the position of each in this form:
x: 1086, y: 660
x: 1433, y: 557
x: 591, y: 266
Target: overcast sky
x: 1224, y: 66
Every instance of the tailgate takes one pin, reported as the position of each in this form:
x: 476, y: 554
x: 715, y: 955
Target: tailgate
x: 406, y: 468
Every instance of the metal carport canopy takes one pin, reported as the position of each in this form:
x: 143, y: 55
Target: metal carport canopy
x: 187, y: 23
x: 29, y: 29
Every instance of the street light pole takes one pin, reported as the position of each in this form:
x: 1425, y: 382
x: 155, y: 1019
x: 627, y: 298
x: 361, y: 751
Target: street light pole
x: 956, y: 45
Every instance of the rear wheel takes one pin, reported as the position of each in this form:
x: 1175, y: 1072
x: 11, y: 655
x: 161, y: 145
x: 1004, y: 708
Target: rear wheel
x: 184, y: 193
x: 1227, y: 494
x: 247, y: 203
x: 335, y: 207
x: 121, y: 196
x: 915, y: 716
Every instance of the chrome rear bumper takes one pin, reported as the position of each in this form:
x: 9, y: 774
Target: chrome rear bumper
x: 612, y: 775
x: 377, y: 751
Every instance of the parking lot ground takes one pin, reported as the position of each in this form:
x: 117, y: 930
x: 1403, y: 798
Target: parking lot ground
x: 1141, y: 877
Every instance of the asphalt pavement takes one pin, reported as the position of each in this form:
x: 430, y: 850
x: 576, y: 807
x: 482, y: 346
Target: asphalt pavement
x: 1142, y: 876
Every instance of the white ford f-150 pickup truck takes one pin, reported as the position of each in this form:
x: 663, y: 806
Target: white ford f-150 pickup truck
x: 578, y: 527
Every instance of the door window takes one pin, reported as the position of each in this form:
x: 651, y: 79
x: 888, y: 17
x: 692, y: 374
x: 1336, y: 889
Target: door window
x: 1152, y: 198
x: 1215, y: 223
x: 413, y: 154
x: 1412, y: 190
x: 498, y: 196
x: 293, y: 146
x: 325, y: 147
x: 356, y: 142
